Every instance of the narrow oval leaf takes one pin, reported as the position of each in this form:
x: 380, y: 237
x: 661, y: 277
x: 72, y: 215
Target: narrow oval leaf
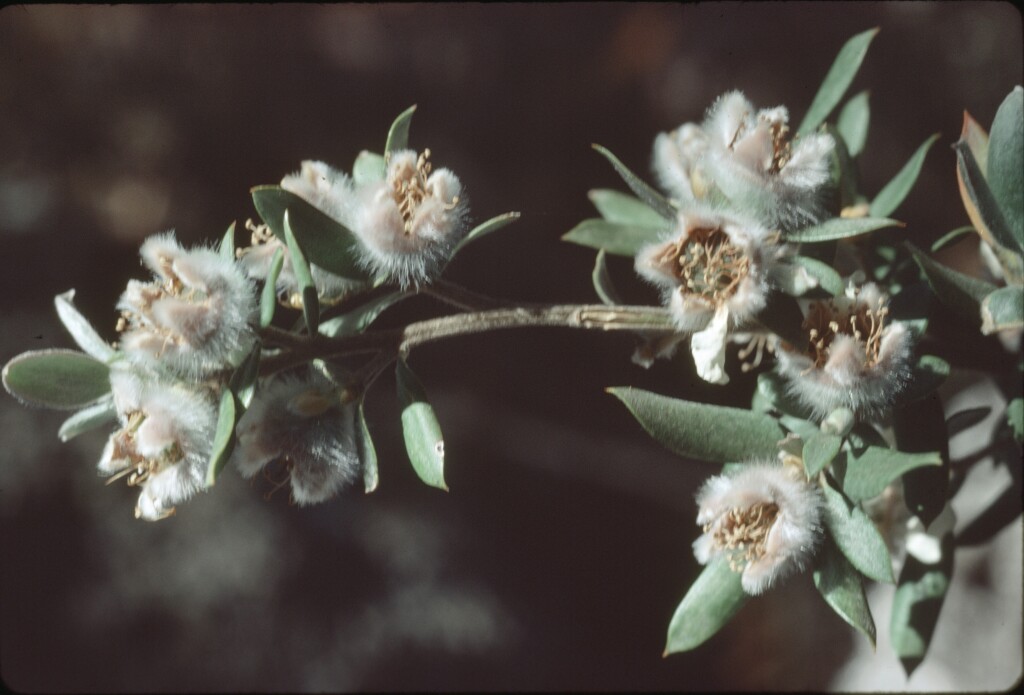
x: 268, y: 298
x: 961, y: 293
x: 853, y: 123
x: 804, y: 429
x: 916, y: 606
x: 58, y: 379
x: 949, y: 237
x: 920, y: 427
x: 828, y: 279
x: 310, y: 302
x: 977, y: 140
x: 423, y: 440
x: 656, y: 201
x: 485, y: 228
x: 982, y: 208
x: 88, y: 419
x: 701, y: 431
x: 360, y: 318
x: 1002, y: 309
x: 894, y: 192
x: 398, y: 134
x: 838, y: 79
x: 841, y: 228
x: 368, y: 168
x: 367, y: 452
x: 1006, y: 162
x: 713, y: 599
x: 842, y: 171
x: 625, y: 209
x: 80, y: 329
x: 868, y: 473
x: 243, y: 381
x: 227, y: 244
x: 819, y: 450
x: 603, y: 281
x: 617, y: 239
x: 843, y: 589
x: 326, y: 242
x: 223, y: 438
x: 856, y: 536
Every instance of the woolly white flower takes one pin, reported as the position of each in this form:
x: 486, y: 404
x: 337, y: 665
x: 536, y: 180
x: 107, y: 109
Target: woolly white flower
x: 322, y: 186
x: 764, y: 519
x: 163, y: 444
x: 676, y: 162
x: 852, y: 358
x: 302, y: 422
x: 194, y: 318
x: 409, y: 223
x: 713, y: 272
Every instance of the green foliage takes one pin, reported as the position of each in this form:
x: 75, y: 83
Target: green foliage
x: 268, y: 296
x: 224, y: 438
x: 961, y: 293
x: 856, y: 536
x: 88, y: 418
x: 310, y: 301
x: 423, y: 440
x: 620, y: 208
x: 656, y: 201
x: 842, y: 587
x: 840, y: 228
x: 227, y: 244
x: 894, y: 192
x: 915, y: 608
x: 837, y: 80
x: 360, y: 318
x: 1005, y: 174
x: 603, y: 281
x: 80, y: 329
x: 612, y: 237
x: 485, y: 228
x: 58, y: 379
x: 819, y: 450
x: 398, y: 134
x: 1002, y: 309
x: 368, y: 167
x: 710, y: 603
x: 853, y: 123
x: 870, y: 471
x: 367, y: 452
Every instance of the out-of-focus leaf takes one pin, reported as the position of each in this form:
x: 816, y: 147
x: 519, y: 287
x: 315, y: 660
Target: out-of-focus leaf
x: 963, y: 420
x: 243, y: 380
x: 977, y: 140
x: 420, y: 428
x: 828, y: 279
x: 982, y: 208
x: 917, y: 603
x: 367, y: 453
x: 949, y: 237
x: 702, y: 431
x: 625, y: 209
x: 227, y: 244
x: 920, y: 427
x: 80, y: 329
x: 268, y: 298
x: 805, y: 429
x: 843, y: 590
x: 89, y: 418
x: 617, y: 239
x: 819, y: 450
x: 843, y: 176
x: 359, y: 319
x: 310, y: 301
x: 853, y: 123
x: 603, y: 281
x: 1003, y: 309
x: 1006, y: 162
x: 868, y: 473
x: 368, y: 167
x: 58, y: 379
x: 485, y: 228
x: 961, y: 293
x: 838, y: 79
x: 713, y: 599
x: 894, y: 192
x: 928, y: 374
x: 856, y: 536
x: 223, y: 439
x: 325, y: 241
x: 840, y: 228
x: 398, y: 134
x: 1015, y: 416
x: 656, y: 201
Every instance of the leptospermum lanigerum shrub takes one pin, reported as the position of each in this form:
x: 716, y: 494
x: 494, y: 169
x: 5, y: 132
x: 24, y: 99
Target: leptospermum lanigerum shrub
x: 762, y: 254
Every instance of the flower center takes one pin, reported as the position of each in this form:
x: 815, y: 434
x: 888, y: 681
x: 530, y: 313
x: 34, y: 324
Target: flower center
x: 409, y: 188
x: 744, y: 531
x: 138, y: 468
x: 825, y: 321
x: 706, y: 263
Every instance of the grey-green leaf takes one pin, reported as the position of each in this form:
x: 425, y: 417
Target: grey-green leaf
x: 485, y: 228
x: 838, y: 79
x: 243, y: 381
x: 617, y: 239
x: 894, y: 192
x: 625, y: 209
x: 656, y: 201
x: 227, y: 244
x: 58, y: 379
x: 420, y: 428
x: 868, y: 473
x: 843, y: 589
x: 840, y: 228
x: 961, y: 293
x: 949, y: 237
x: 828, y: 279
x: 80, y: 329
x: 310, y: 301
x: 703, y: 431
x: 603, y: 281
x: 325, y: 241
x: 1006, y: 162
x: 713, y: 599
x: 1015, y: 417
x: 88, y: 418
x: 268, y: 298
x: 988, y: 214
x: 360, y: 318
x: 398, y: 134
x: 223, y: 438
x: 819, y: 451
x: 853, y: 123
x: 1002, y: 309
x: 772, y: 391
x: 367, y: 453
x: 856, y: 536
x: 368, y: 168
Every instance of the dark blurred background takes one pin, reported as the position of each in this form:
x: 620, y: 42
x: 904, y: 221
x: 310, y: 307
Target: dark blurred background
x: 560, y: 553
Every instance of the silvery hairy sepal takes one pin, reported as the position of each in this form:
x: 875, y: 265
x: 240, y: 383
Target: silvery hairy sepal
x: 303, y: 423
x: 193, y: 318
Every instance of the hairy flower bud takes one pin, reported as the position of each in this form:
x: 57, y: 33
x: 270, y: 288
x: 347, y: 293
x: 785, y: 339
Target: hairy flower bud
x: 764, y: 519
x: 852, y: 358
x: 194, y: 318
x: 303, y: 423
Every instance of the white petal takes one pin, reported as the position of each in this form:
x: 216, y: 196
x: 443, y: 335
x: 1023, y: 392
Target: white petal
x: 708, y: 348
